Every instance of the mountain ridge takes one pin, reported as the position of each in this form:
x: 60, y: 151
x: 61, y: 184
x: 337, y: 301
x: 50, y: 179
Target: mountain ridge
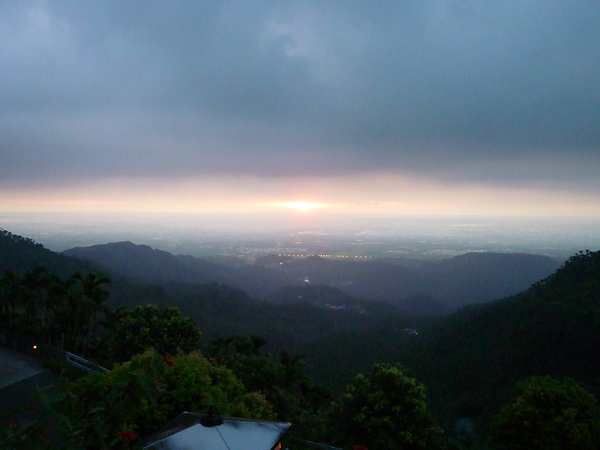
x: 469, y: 360
x: 451, y: 283
x: 125, y: 258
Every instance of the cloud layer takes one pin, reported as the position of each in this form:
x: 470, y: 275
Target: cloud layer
x: 503, y: 94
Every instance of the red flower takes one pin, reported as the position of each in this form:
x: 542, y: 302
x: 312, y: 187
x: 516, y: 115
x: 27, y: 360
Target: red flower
x: 127, y: 436
x: 45, y: 433
x: 168, y: 361
x: 12, y: 423
x: 360, y: 447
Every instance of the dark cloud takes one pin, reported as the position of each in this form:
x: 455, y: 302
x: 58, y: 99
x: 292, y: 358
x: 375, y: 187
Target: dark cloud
x: 497, y: 92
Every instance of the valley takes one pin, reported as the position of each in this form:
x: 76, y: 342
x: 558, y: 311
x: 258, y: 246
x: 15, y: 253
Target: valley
x: 468, y: 326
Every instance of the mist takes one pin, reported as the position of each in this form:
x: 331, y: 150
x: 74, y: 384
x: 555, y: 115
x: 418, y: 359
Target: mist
x: 251, y: 236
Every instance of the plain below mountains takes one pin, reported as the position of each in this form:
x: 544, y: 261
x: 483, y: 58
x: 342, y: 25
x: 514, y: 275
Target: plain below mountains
x: 414, y: 286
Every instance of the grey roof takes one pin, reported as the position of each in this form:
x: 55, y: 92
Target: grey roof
x: 186, y: 432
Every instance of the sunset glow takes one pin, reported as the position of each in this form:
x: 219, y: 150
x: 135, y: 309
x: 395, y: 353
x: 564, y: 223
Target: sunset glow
x: 271, y: 127
x: 301, y: 206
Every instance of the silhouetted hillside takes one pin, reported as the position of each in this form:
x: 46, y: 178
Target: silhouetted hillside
x: 475, y: 275
x: 143, y: 263
x: 20, y: 254
x: 327, y: 296
x: 449, y: 284
x: 471, y: 359
x: 320, y: 294
x: 218, y: 309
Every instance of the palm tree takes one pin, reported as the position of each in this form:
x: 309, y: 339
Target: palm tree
x: 7, y: 302
x: 13, y: 291
x: 95, y: 296
x: 60, y: 311
x: 34, y: 283
x: 75, y: 314
x: 257, y: 342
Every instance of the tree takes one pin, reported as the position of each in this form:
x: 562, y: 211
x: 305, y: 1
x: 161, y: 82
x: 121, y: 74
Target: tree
x: 293, y: 394
x: 384, y: 410
x: 136, y: 398
x: 546, y: 413
x: 10, y: 292
x: 56, y: 307
x: 95, y: 297
x: 135, y: 330
x: 34, y: 283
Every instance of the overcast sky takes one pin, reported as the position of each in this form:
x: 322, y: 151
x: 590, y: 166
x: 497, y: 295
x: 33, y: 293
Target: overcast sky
x: 460, y: 107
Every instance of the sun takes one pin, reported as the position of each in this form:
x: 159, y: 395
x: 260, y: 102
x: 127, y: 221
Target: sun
x: 301, y: 206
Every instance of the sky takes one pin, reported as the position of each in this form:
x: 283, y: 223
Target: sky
x: 403, y: 107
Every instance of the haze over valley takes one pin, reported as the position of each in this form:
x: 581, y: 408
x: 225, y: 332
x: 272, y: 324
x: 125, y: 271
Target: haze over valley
x: 238, y: 238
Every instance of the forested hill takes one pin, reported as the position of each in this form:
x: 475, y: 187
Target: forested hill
x: 143, y: 263
x: 218, y: 309
x: 470, y: 360
x: 451, y: 283
x: 20, y: 254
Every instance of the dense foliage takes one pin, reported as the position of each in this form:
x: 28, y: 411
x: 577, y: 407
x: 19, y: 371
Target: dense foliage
x: 546, y: 413
x: 386, y: 410
x: 133, y: 330
x: 118, y: 408
x: 65, y: 313
x: 283, y: 381
x: 471, y: 360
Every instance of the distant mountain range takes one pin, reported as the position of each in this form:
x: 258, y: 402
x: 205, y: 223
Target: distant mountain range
x: 412, y: 285
x: 143, y: 263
